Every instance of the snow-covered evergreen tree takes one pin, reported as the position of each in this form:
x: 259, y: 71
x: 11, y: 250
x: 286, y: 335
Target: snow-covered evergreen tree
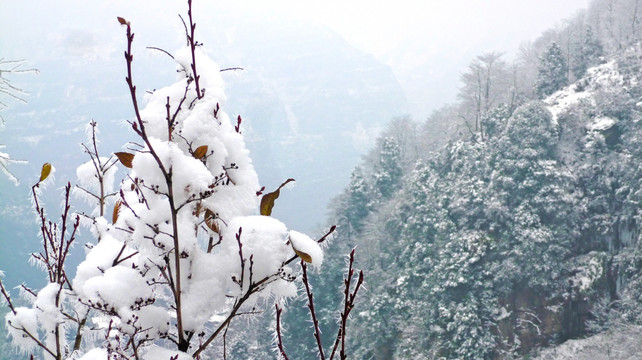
x: 387, y: 170
x: 551, y: 72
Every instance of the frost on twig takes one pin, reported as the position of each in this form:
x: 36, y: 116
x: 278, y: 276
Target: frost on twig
x: 5, y: 160
x: 7, y: 89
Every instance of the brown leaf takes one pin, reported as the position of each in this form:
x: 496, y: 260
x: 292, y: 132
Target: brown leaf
x: 267, y: 202
x: 197, y: 210
x: 210, y: 221
x: 305, y: 257
x: 114, y: 216
x: 122, y: 21
x: 200, y: 152
x: 44, y: 173
x: 125, y: 158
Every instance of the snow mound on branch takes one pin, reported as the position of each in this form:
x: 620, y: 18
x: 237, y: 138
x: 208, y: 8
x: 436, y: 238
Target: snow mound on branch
x: 24, y: 318
x: 159, y: 353
x: 305, y: 244
x: 95, y: 354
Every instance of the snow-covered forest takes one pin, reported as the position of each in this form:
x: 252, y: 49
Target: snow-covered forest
x: 506, y: 225
x: 508, y: 222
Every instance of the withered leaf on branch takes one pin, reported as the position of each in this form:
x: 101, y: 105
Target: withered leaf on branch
x: 304, y: 256
x: 122, y: 21
x: 125, y: 158
x: 267, y: 202
x: 44, y: 173
x: 200, y: 152
x: 114, y: 216
x: 210, y: 221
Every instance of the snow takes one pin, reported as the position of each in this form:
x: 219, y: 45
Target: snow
x: 562, y: 100
x: 109, y: 291
x: 129, y: 278
x: 24, y: 318
x: 601, y: 123
x: 603, y: 76
x: 619, y: 343
x: 589, y: 269
x: 305, y: 244
x: 159, y: 353
x: 95, y: 354
x: 99, y: 258
x: 48, y: 314
x: 86, y: 174
x: 264, y: 238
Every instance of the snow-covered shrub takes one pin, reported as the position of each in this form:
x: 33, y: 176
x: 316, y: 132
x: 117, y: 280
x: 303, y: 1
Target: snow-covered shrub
x: 190, y: 243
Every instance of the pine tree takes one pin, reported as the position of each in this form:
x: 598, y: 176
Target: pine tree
x: 358, y: 200
x: 388, y: 171
x: 552, y: 72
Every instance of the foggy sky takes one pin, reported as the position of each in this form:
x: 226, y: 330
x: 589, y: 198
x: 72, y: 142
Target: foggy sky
x: 426, y: 43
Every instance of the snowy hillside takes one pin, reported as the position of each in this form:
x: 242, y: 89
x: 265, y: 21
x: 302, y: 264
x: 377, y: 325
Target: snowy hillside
x: 621, y: 343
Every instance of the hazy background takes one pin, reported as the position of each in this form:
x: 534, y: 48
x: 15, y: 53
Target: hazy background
x: 426, y: 43
x: 321, y: 79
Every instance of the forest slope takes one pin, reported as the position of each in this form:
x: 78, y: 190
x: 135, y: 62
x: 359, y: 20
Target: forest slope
x: 509, y: 221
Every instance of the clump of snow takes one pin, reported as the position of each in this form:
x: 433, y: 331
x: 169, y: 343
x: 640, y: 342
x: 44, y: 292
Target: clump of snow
x: 95, y: 354
x: 99, y: 259
x: 48, y: 313
x: 588, y: 270
x: 158, y: 353
x: 305, y: 244
x: 24, y: 318
x: 264, y: 239
x: 601, y: 123
x: 562, y: 100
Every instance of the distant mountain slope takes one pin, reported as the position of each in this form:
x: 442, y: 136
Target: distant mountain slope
x: 309, y: 111
x: 522, y: 231
x: 313, y: 105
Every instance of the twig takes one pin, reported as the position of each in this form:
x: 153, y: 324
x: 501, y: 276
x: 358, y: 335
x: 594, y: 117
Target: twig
x: 313, y: 314
x: 232, y: 69
x: 139, y: 128
x: 348, y: 305
x: 278, y: 332
x: 7, y: 297
x: 161, y: 50
x: 192, y: 44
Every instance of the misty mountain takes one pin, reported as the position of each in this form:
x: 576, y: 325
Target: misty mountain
x: 521, y: 230
x: 311, y: 105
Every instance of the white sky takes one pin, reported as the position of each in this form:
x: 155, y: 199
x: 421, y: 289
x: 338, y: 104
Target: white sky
x: 379, y: 25
x: 427, y: 43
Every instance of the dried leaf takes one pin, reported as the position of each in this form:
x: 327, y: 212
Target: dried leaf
x: 114, y: 216
x: 210, y: 221
x: 122, y: 21
x: 267, y: 202
x: 200, y: 152
x: 125, y: 158
x: 44, y: 173
x: 197, y: 210
x: 305, y: 257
